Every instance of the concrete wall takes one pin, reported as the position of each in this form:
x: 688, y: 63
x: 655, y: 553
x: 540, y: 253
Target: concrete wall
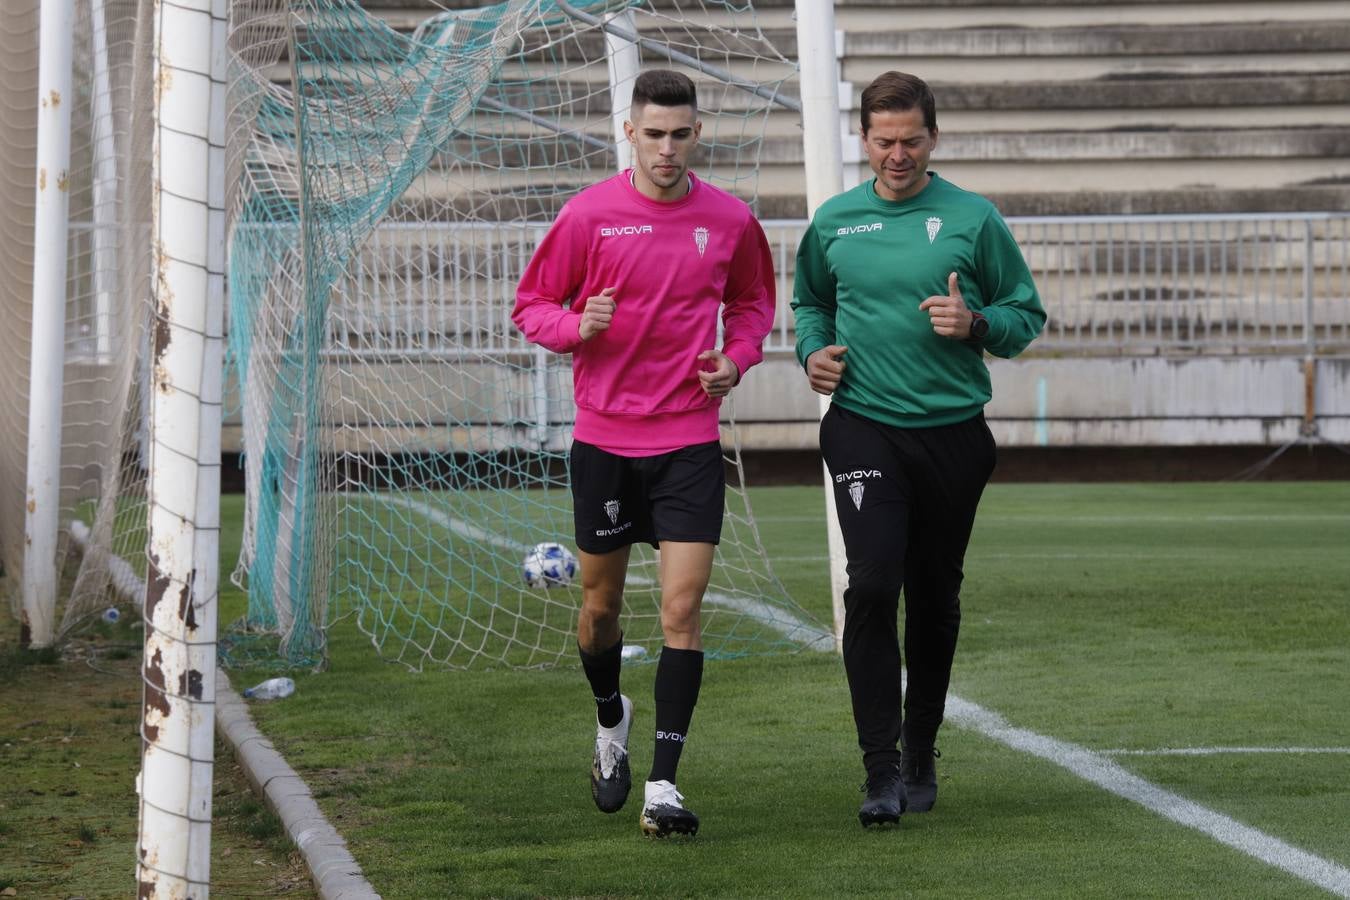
x: 1139, y: 402
x: 1038, y: 402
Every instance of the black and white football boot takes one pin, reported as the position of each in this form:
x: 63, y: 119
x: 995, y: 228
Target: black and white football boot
x: 664, y: 813
x: 610, y: 778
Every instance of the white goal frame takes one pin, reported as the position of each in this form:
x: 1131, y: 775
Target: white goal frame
x: 188, y: 231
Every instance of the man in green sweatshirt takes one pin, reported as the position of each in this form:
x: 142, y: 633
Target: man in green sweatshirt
x: 902, y: 284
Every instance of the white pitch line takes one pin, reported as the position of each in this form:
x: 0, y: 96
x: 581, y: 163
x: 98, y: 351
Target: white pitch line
x: 1006, y: 518
x: 779, y: 620
x: 1105, y: 554
x: 1167, y: 518
x: 1217, y: 751
x: 976, y: 556
x: 1110, y: 776
x: 461, y: 528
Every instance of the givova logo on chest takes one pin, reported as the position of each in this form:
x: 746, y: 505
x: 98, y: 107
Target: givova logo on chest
x: 622, y: 230
x: 858, y: 229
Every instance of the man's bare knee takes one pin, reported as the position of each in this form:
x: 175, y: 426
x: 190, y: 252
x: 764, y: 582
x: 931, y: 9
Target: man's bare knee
x: 681, y: 622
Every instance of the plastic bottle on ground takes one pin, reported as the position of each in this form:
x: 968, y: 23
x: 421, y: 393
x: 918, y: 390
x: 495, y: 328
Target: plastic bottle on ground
x: 111, y: 615
x: 271, y: 689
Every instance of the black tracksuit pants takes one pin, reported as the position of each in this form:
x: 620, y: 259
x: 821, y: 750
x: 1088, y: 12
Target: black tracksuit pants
x: 906, y: 500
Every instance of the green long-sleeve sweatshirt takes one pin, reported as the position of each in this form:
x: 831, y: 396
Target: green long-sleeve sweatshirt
x: 864, y: 266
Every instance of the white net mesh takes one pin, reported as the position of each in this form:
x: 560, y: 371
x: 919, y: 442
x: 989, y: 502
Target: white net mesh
x: 404, y: 445
x: 107, y: 291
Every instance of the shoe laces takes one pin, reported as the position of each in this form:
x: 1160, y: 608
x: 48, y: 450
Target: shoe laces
x: 609, y: 752
x: 664, y: 794
x: 611, y: 744
x: 880, y: 779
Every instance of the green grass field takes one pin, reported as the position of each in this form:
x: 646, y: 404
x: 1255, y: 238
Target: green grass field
x: 70, y: 749
x: 1103, y: 617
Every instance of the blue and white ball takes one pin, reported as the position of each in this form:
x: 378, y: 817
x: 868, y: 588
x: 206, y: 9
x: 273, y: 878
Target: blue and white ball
x: 549, y: 565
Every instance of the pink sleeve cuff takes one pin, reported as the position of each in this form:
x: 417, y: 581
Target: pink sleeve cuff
x: 743, y: 355
x: 568, y: 332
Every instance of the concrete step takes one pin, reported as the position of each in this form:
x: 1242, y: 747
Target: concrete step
x: 1196, y: 40
x: 1107, y: 174
x: 1099, y: 42
x: 728, y: 123
x: 1327, y: 197
x: 862, y: 15
x: 588, y: 99
x: 1062, y: 188
x: 407, y: 17
x: 885, y: 15
x: 1017, y: 70
x: 1330, y: 143
x: 844, y: 7
x: 1196, y: 118
x: 1163, y: 90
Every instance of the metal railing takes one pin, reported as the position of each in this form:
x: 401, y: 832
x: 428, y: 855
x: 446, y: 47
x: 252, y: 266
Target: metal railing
x: 1154, y: 284
x: 1111, y: 285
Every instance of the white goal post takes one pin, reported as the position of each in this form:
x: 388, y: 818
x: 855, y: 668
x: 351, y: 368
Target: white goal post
x: 822, y: 139
x: 183, y: 486
x: 50, y: 224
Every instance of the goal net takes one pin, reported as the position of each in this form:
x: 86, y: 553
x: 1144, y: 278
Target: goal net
x: 404, y: 446
x: 107, y: 305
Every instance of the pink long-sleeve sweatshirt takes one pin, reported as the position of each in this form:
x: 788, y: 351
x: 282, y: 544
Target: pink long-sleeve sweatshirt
x: 672, y: 266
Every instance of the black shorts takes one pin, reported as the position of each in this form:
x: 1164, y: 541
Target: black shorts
x: 622, y: 500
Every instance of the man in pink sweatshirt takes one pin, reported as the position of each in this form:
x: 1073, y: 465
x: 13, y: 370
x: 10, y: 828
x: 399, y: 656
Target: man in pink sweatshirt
x: 629, y: 280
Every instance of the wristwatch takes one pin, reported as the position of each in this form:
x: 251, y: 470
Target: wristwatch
x: 979, y: 327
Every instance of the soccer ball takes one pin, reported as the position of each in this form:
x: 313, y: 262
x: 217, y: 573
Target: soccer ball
x: 549, y: 565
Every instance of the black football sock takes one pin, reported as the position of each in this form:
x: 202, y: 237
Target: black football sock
x: 679, y: 675
x: 602, y: 671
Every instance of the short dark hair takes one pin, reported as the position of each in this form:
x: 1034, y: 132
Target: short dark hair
x: 897, y: 92
x: 664, y: 88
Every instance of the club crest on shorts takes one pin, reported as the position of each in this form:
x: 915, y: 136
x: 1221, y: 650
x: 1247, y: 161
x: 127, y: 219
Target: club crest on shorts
x: 612, y: 510
x: 701, y: 239
x: 855, y: 492
x: 934, y: 225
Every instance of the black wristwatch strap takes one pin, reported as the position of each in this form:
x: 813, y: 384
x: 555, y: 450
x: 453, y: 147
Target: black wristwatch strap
x: 979, y: 328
